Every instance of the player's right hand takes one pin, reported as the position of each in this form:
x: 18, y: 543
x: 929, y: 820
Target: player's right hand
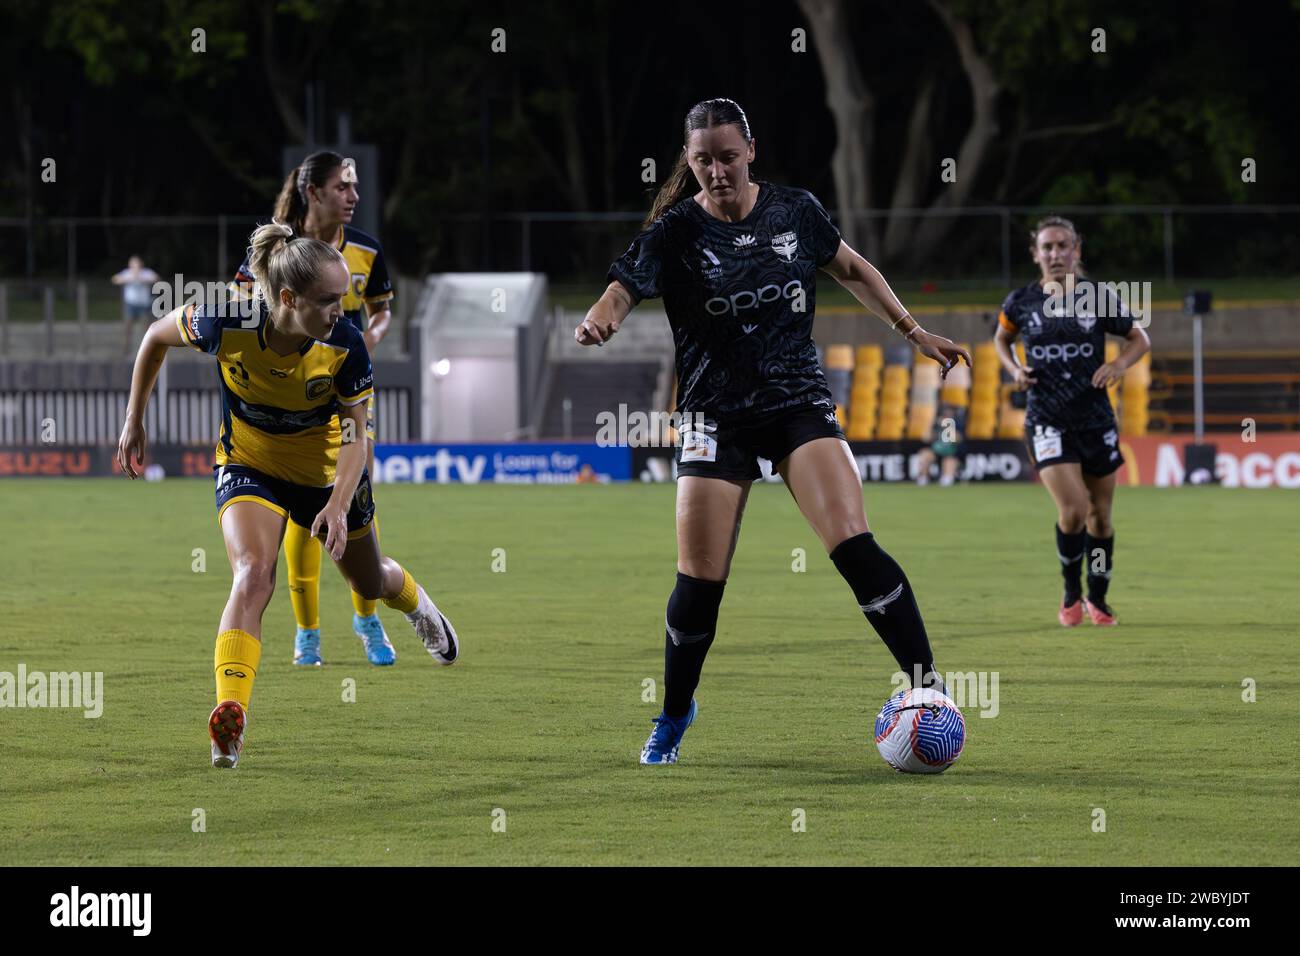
x: 1024, y: 378
x: 592, y: 331
x: 131, y: 446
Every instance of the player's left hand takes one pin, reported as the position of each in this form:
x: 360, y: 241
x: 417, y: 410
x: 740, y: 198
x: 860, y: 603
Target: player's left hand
x: 944, y: 351
x: 1107, y: 375
x: 333, y: 520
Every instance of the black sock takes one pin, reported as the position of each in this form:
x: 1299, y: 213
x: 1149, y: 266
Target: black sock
x: 1070, y: 548
x: 1100, y: 563
x: 690, y: 623
x: 886, y: 599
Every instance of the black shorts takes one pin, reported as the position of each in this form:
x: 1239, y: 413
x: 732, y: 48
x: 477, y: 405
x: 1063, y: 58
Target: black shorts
x: 731, y: 450
x: 299, y: 503
x: 1095, y: 449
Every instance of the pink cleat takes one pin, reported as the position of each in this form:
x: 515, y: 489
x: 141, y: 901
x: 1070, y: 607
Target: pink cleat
x: 1100, y: 613
x: 1070, y: 615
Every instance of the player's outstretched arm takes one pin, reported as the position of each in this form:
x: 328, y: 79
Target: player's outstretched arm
x: 868, y: 286
x: 160, y: 336
x: 604, y: 318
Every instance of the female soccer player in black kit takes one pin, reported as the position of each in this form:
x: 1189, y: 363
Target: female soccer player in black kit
x: 1069, y: 425
x: 736, y: 264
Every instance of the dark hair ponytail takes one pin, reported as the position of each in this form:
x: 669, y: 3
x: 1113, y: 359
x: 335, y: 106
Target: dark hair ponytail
x: 680, y: 183
x: 315, y: 170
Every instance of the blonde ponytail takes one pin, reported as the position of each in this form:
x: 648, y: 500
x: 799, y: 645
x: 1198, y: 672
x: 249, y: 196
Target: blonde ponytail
x: 281, y: 260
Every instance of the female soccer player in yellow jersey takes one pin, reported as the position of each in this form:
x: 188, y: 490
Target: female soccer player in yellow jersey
x: 294, y: 380
x: 317, y: 200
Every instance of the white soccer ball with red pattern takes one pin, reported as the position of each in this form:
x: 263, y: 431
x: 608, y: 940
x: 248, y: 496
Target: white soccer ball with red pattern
x: 920, y: 731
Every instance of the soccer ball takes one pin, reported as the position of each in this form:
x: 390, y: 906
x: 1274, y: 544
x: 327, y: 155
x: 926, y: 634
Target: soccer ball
x: 920, y: 731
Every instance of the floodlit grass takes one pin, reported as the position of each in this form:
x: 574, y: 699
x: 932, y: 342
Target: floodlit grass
x: 543, y: 717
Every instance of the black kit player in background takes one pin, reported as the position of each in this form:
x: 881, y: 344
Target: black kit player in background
x: 1069, y: 425
x: 736, y: 262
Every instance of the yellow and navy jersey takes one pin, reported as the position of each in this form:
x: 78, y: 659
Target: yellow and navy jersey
x: 369, y: 281
x: 279, y: 413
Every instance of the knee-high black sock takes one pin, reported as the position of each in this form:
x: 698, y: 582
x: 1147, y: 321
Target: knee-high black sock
x: 1100, y: 564
x: 690, y: 623
x: 886, y: 599
x: 1070, y: 548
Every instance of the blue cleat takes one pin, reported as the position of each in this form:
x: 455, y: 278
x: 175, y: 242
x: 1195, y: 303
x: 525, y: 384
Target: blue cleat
x: 662, y: 744
x: 306, y: 647
x: 378, y: 651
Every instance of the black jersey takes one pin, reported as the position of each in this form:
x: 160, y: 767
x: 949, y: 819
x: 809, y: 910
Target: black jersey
x: 1065, y: 343
x: 740, y: 298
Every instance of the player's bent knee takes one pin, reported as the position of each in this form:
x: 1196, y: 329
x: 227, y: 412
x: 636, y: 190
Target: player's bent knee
x: 1072, y: 517
x: 839, y: 531
x: 253, y: 590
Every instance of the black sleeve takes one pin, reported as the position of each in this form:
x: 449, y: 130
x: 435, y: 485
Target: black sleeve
x: 640, y: 269
x: 1118, y: 319
x: 825, y: 237
x: 200, y: 325
x: 1007, y: 317
x: 354, y: 381
x: 379, y: 286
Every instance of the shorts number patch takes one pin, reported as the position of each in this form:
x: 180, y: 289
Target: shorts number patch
x: 697, y: 446
x: 1047, y: 444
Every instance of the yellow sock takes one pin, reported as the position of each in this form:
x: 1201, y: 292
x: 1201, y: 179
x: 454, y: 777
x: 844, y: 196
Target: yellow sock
x: 409, y: 599
x: 237, y: 656
x: 366, y: 606
x: 302, y: 556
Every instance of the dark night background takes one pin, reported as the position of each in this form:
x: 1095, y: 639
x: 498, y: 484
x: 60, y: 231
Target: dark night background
x: 140, y: 125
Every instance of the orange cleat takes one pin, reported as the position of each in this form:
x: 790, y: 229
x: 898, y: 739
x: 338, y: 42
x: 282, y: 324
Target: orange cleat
x: 1100, y: 613
x: 226, y: 727
x: 1070, y: 615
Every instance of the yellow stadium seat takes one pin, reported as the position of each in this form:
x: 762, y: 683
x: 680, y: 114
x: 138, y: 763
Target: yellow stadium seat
x: 840, y: 357
x: 861, y: 431
x: 955, y: 395
x: 870, y: 355
x: 1011, y: 423
x: 919, y: 420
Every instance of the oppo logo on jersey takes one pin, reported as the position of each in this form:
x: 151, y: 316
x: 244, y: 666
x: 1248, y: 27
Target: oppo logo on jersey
x: 1050, y: 353
x: 751, y: 300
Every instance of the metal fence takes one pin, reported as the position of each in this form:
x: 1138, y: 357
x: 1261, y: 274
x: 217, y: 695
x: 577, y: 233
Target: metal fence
x: 982, y: 245
x: 174, y: 417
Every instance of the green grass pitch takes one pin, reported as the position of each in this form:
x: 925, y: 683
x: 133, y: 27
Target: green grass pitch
x: 543, y: 717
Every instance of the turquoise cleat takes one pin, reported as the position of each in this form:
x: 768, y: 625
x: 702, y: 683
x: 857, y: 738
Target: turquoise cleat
x: 378, y: 650
x: 306, y: 647
x: 664, y: 741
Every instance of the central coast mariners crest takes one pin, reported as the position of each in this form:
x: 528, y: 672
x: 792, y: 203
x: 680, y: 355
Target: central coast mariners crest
x: 318, y: 386
x: 786, y: 245
x: 362, y: 496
